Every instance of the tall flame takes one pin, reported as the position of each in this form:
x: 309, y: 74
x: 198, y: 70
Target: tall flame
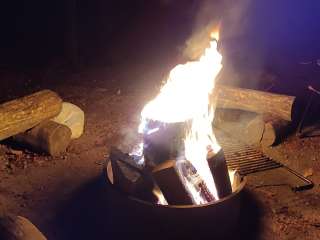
x: 186, y: 96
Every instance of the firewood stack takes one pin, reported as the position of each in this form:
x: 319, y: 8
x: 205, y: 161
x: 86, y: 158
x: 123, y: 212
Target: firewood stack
x: 263, y: 118
x: 41, y: 122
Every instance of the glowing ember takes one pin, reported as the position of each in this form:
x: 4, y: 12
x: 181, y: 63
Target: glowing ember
x: 186, y: 97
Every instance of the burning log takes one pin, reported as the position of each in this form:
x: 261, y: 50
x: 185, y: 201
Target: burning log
x: 193, y: 182
x: 129, y: 176
x: 162, y: 141
x: 24, y: 113
x: 168, y: 179
x: 219, y: 170
x: 281, y: 106
x: 48, y: 137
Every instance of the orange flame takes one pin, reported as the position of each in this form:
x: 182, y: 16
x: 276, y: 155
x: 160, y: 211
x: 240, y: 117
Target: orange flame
x: 185, y: 96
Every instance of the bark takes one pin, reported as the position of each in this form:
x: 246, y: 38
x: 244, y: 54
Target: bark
x: 278, y: 105
x: 24, y: 113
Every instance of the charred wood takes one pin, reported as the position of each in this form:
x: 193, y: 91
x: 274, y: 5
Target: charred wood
x: 168, y: 179
x: 130, y: 177
x: 163, y: 141
x: 220, y: 173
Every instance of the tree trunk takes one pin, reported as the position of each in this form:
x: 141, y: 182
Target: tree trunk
x: 24, y: 113
x: 278, y: 105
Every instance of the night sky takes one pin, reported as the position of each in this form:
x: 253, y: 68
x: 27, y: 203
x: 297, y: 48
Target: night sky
x: 274, y: 34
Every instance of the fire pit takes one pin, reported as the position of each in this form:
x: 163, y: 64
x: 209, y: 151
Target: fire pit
x: 130, y: 216
x: 176, y: 184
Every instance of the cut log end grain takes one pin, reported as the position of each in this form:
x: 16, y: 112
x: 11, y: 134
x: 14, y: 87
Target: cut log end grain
x: 275, y: 130
x: 21, y: 114
x: 255, y: 130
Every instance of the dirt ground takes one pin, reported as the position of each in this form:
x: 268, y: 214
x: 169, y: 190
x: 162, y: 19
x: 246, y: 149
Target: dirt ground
x: 60, y: 194
x: 41, y: 187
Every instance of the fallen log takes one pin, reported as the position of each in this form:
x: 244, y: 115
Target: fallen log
x: 255, y: 101
x: 48, y: 137
x: 21, y: 114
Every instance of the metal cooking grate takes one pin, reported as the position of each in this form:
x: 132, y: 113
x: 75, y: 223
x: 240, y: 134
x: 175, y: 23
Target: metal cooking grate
x: 246, y: 159
x: 249, y: 159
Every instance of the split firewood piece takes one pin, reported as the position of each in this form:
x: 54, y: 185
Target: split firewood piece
x: 21, y: 114
x: 167, y: 178
x: 194, y: 182
x: 261, y: 102
x: 48, y: 137
x: 73, y: 117
x: 236, y: 180
x: 19, y: 228
x: 130, y: 177
x: 218, y: 166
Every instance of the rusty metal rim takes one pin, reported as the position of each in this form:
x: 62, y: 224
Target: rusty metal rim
x: 238, y: 190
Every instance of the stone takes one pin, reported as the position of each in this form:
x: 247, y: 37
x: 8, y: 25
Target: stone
x: 73, y: 117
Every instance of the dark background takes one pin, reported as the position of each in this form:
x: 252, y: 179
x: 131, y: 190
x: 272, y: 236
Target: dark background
x: 274, y: 36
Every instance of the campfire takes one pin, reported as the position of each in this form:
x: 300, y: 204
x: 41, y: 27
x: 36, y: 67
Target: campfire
x: 179, y: 161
